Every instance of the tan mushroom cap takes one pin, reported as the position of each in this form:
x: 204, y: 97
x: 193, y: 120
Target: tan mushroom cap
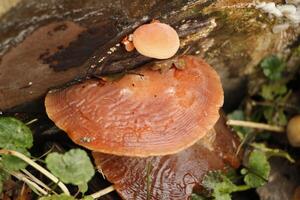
x: 141, y: 115
x: 156, y: 40
x: 293, y: 131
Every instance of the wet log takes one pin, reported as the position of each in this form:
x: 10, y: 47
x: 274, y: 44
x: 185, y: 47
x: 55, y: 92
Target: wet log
x: 47, y: 45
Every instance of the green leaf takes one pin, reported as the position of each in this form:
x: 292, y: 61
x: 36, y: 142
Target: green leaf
x: 13, y: 132
x: 237, y: 115
x: 271, y: 91
x: 72, y: 167
x: 275, y: 116
x: 222, y: 192
x: 58, y: 197
x: 258, y: 169
x: 1, y: 186
x: 83, y: 187
x: 3, y: 177
x: 241, y: 131
x: 272, y: 67
x: 88, y: 198
x: 12, y: 163
x: 272, y: 152
x: 197, y: 197
x: 269, y: 114
x: 219, y: 184
x: 281, y: 118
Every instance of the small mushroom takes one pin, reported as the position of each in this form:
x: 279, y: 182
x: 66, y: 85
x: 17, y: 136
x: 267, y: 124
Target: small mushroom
x: 174, y: 176
x: 146, y: 113
x: 156, y: 40
x: 293, y: 131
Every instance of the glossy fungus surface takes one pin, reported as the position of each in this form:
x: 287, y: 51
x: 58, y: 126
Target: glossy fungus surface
x: 156, y: 40
x: 172, y: 176
x: 143, y: 114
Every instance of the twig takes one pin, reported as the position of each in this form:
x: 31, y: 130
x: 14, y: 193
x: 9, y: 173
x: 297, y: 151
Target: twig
x: 148, y: 179
x: 38, y: 167
x: 22, y: 177
x: 103, y: 192
x: 31, y: 121
x: 36, y: 180
x: 242, y: 143
x: 271, y: 104
x: 256, y: 125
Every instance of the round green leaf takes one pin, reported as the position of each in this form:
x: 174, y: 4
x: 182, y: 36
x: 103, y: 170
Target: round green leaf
x: 272, y: 67
x: 12, y: 163
x: 13, y: 132
x: 258, y: 169
x: 88, y: 198
x: 72, y: 167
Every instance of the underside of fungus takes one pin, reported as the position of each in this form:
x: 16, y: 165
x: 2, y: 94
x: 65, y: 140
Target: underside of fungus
x: 174, y: 176
x: 146, y: 113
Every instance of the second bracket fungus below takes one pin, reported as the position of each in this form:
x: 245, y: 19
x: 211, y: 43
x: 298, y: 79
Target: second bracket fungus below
x: 148, y: 113
x: 174, y: 176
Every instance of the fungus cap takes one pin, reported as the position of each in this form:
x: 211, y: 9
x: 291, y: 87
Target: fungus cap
x: 142, y: 115
x: 216, y: 151
x: 156, y: 40
x: 293, y: 131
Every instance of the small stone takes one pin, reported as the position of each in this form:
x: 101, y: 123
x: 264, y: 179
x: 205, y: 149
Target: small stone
x: 92, y: 66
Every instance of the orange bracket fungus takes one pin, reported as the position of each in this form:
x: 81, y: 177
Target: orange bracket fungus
x: 154, y: 40
x: 174, y: 176
x: 148, y: 113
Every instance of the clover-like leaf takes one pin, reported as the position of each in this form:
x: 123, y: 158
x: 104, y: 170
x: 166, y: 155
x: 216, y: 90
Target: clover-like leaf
x: 219, y: 184
x: 258, y: 169
x: 271, y: 91
x: 73, y: 167
x: 272, y: 67
x: 13, y: 132
x: 88, y: 198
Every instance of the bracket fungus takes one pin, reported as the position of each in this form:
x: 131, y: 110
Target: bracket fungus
x: 146, y: 113
x: 174, y: 176
x: 154, y: 40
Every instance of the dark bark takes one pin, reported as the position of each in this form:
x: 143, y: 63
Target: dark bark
x: 54, y: 43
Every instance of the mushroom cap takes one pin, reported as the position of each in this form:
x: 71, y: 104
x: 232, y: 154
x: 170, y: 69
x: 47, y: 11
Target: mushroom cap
x: 293, y: 131
x: 153, y: 113
x: 156, y: 40
x: 185, y: 169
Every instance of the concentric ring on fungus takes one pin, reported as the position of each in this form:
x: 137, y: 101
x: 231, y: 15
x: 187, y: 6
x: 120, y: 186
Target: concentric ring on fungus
x: 154, y: 113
